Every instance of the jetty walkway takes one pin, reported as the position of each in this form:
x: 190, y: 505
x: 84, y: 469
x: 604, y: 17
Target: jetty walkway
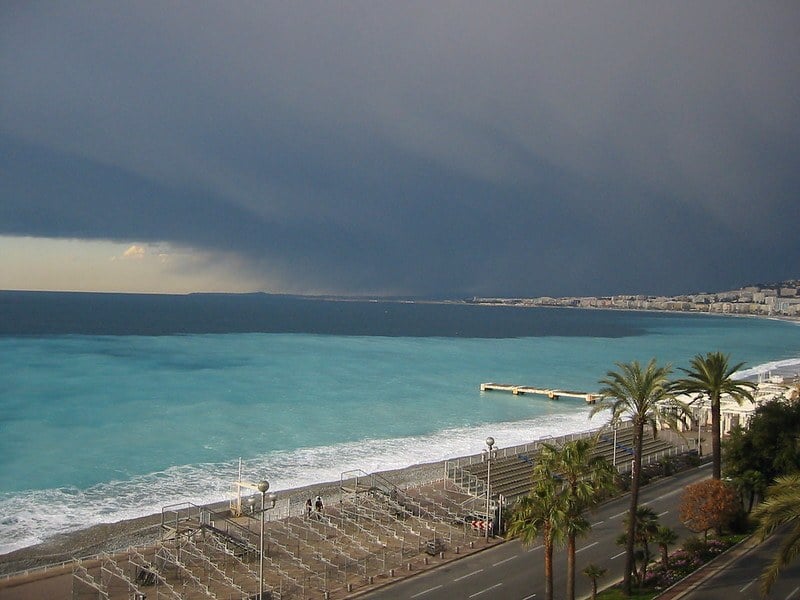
x: 519, y: 390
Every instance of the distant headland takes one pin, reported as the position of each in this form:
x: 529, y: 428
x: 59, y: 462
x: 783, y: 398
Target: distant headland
x: 773, y: 299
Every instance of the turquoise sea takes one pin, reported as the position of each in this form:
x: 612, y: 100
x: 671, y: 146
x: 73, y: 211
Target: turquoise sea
x: 98, y: 428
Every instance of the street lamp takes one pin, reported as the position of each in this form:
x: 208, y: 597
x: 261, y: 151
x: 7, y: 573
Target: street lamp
x: 616, y: 426
x: 699, y: 429
x: 263, y: 486
x: 489, y: 453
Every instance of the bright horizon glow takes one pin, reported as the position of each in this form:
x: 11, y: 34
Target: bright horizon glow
x: 77, y: 265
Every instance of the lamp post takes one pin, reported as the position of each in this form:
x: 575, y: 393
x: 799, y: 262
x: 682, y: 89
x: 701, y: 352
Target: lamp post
x: 489, y: 452
x: 699, y: 429
x: 616, y: 426
x: 263, y: 486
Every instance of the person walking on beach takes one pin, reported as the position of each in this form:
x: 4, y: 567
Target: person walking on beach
x: 308, y: 508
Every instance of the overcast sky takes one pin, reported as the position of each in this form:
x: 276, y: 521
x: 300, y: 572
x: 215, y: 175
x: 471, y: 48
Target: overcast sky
x: 399, y: 148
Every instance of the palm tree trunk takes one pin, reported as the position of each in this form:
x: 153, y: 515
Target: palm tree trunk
x: 715, y: 439
x: 548, y: 563
x: 571, y: 566
x: 630, y: 563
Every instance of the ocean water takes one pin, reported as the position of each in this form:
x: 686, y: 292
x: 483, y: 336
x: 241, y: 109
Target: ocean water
x: 101, y: 427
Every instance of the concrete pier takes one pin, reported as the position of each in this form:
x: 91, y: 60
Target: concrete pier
x: 518, y: 390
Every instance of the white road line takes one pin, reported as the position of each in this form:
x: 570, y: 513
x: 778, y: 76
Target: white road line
x: 752, y: 581
x: 598, y: 523
x: 468, y: 575
x: 793, y: 592
x: 529, y: 597
x: 668, y: 494
x: 663, y: 513
x: 537, y: 548
x: 486, y: 590
x: 617, y: 555
x: 617, y: 516
x: 504, y: 560
x: 587, y: 547
x: 425, y: 591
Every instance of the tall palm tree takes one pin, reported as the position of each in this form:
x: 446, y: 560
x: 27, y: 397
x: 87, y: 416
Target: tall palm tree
x: 639, y: 393
x: 712, y: 376
x: 540, y: 512
x: 782, y: 506
x: 583, y: 479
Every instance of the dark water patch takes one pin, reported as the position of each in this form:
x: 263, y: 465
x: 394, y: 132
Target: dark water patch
x: 63, y: 313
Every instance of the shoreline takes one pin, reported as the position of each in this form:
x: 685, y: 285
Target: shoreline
x: 143, y: 531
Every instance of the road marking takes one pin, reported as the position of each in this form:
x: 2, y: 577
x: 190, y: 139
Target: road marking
x: 667, y: 495
x: 617, y: 516
x: 792, y: 593
x: 468, y: 575
x: 486, y: 590
x: 537, y: 548
x: 663, y: 513
x: 426, y: 591
x: 504, y: 560
x: 586, y: 547
x: 752, y: 581
x: 529, y: 597
x: 598, y: 523
x: 617, y: 555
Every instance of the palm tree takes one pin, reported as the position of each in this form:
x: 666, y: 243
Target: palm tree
x: 594, y: 573
x: 646, y: 527
x: 540, y: 512
x: 584, y: 479
x: 638, y: 393
x: 782, y: 506
x: 711, y: 376
x: 665, y: 537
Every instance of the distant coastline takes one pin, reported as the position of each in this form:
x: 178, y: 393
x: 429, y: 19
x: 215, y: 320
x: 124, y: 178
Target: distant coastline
x: 779, y: 300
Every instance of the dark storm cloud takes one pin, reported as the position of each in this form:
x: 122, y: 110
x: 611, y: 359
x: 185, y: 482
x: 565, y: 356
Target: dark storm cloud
x: 420, y: 148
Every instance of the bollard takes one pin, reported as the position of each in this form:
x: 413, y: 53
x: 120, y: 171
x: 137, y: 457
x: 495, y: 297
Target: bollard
x: 349, y: 587
x: 391, y: 572
x: 409, y: 566
x: 458, y: 549
x: 441, y: 554
x: 472, y: 544
x: 425, y: 560
x: 371, y: 580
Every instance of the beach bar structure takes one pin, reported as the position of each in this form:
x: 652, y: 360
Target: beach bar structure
x: 519, y: 390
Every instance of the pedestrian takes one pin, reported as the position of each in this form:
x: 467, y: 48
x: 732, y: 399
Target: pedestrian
x: 318, y: 505
x: 308, y: 508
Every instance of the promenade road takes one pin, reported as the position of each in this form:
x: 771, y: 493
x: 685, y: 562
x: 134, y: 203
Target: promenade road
x: 736, y: 577
x: 517, y: 573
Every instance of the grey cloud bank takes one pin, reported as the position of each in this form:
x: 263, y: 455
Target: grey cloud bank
x: 415, y: 148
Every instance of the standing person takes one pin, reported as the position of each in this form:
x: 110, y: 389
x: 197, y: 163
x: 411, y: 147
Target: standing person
x: 308, y: 508
x: 318, y: 505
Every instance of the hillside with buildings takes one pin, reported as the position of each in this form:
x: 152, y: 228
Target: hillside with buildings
x: 778, y: 299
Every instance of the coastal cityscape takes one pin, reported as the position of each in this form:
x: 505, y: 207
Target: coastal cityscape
x: 399, y: 300
x: 767, y: 300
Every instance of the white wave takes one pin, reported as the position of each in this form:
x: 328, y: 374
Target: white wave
x: 31, y: 517
x: 789, y: 366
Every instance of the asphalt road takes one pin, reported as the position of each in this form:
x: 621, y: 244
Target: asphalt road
x: 517, y: 573
x: 739, y: 579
